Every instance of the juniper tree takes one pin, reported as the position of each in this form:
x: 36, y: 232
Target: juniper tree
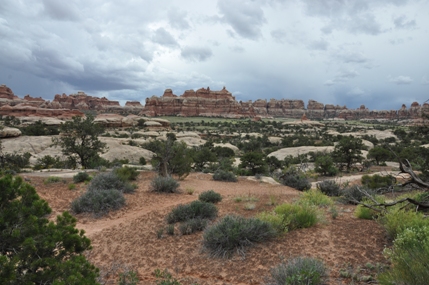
x: 34, y: 250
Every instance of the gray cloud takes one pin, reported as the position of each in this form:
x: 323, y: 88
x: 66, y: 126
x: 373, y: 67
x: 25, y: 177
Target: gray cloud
x: 164, y: 38
x: 237, y: 49
x: 321, y: 44
x: 356, y: 91
x: 126, y: 49
x: 61, y: 10
x: 196, y: 53
x: 177, y: 19
x: 350, y: 56
x: 400, y: 80
x: 279, y: 35
x: 402, y: 23
x: 246, y: 18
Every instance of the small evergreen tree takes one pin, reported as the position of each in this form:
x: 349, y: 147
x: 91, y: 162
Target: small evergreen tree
x: 34, y: 250
x: 79, y: 137
x: 379, y: 154
x: 255, y: 162
x: 348, y: 152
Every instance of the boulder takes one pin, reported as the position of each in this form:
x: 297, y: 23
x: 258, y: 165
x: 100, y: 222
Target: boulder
x: 7, y: 132
x: 295, y: 151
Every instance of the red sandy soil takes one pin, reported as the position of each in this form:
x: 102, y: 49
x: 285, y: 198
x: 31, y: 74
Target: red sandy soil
x: 129, y: 236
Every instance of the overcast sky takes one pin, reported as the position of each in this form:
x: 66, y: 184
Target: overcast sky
x: 346, y: 52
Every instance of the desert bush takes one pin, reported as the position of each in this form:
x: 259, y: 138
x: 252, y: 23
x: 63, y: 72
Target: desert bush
x: 142, y: 160
x: 210, y: 196
x: 365, y: 213
x: 223, y: 175
x: 163, y: 184
x: 99, y: 202
x: 325, y: 165
x: 354, y: 194
x: 295, y: 179
x: 71, y: 186
x: 165, y: 278
x: 193, y: 225
x: 81, y: 177
x: 14, y: 161
x: 297, y: 216
x: 51, y: 179
x: 276, y: 221
x: 126, y: 173
x: 234, y: 234
x: 299, y: 271
x: 39, y: 129
x: 315, y: 198
x: 409, y: 257
x: 48, y: 161
x: 329, y: 187
x: 128, y: 278
x: 395, y: 221
x: 377, y: 181
x: 193, y: 210
x: 109, y: 180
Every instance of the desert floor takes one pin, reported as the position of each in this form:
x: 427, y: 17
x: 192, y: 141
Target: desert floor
x: 129, y: 236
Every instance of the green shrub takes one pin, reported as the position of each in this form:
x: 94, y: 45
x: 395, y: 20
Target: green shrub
x: 81, y: 177
x: 163, y: 184
x: 299, y: 271
x: 165, y: 278
x: 48, y: 161
x: 193, y: 210
x: 193, y: 225
x: 234, y: 234
x: 126, y: 173
x: 295, y: 179
x: 297, y: 216
x: 52, y: 179
x: 99, y: 202
x: 210, y: 196
x: 14, y: 161
x: 395, y: 221
x: 72, y: 186
x: 365, y: 213
x: 315, y: 198
x: 329, y: 187
x: 142, y: 160
x: 223, y: 175
x: 354, y: 194
x: 276, y: 221
x: 109, y: 180
x: 377, y: 181
x: 170, y: 230
x: 325, y: 165
x: 409, y: 257
x: 129, y: 277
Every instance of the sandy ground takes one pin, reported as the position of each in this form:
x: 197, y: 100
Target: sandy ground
x: 129, y: 236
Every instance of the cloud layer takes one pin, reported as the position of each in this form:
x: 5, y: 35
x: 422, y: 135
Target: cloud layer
x: 339, y: 52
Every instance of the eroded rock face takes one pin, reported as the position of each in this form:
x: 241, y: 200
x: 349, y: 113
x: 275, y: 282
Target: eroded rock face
x: 205, y: 102
x: 118, y: 121
x: 82, y: 101
x: 25, y: 110
x: 202, y: 102
x: 6, y: 93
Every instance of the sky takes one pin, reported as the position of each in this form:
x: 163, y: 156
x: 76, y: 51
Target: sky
x: 345, y: 52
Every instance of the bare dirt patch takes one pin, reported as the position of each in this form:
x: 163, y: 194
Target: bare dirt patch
x: 129, y: 236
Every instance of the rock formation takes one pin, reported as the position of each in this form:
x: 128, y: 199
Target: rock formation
x: 203, y: 102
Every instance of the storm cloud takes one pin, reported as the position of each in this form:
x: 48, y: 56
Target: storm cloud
x: 347, y: 52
